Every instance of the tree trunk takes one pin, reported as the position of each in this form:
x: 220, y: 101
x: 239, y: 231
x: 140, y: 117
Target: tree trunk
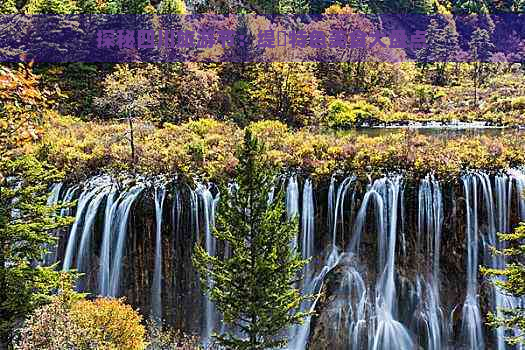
x: 132, y: 142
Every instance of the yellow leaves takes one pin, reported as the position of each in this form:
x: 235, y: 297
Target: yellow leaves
x: 111, y: 323
x: 24, y: 107
x: 70, y: 322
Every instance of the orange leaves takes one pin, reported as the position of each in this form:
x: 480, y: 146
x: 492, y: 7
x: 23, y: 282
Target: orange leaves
x: 22, y: 109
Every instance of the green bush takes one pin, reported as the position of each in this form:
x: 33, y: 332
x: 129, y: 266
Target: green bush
x: 346, y: 115
x: 518, y: 103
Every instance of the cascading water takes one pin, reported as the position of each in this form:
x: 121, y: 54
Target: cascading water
x: 307, y: 249
x: 292, y: 202
x: 430, y: 222
x: 121, y: 221
x: 107, y: 238
x: 380, y: 299
x: 472, y: 329
x: 307, y: 229
x: 85, y: 198
x: 52, y: 200
x: 84, y: 249
x: 209, y: 204
x: 156, y: 288
x: 389, y: 333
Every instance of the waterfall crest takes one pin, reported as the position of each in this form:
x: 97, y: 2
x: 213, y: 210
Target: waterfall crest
x: 380, y: 252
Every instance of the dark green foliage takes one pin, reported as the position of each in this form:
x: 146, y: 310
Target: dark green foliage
x: 442, y: 46
x: 470, y: 7
x: 293, y: 7
x: 25, y: 226
x: 254, y: 286
x: 128, y: 6
x: 87, y: 6
x: 511, y: 280
x: 480, y: 49
x: 58, y: 7
x: 480, y: 45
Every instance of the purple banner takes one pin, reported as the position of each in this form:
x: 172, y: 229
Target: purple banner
x: 262, y: 38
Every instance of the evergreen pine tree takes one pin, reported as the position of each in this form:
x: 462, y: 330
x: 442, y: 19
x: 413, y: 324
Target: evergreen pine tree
x: 442, y: 45
x: 25, y: 220
x: 253, y: 287
x: 480, y: 50
x: 25, y: 226
x: 510, y: 280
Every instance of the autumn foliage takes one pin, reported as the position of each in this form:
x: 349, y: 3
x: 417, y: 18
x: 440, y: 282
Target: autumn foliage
x: 102, y: 324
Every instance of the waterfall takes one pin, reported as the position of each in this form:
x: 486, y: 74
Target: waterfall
x: 68, y: 197
x: 338, y: 209
x: 84, y: 250
x: 292, y: 203
x: 156, y: 288
x: 430, y: 222
x: 499, y: 202
x: 50, y: 249
x: 209, y: 206
x: 307, y: 252
x: 472, y: 329
x: 85, y: 198
x: 107, y: 239
x: 519, y: 178
x: 389, y: 333
x: 386, y: 259
x: 121, y: 221
x: 307, y: 229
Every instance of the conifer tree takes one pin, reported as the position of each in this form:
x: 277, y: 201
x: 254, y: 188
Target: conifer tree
x: 25, y: 219
x: 511, y: 281
x: 480, y: 49
x: 253, y: 287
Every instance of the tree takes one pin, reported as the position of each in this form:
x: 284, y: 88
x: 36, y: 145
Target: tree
x: 55, y: 7
x: 293, y: 7
x: 135, y: 7
x: 253, y: 287
x: 72, y: 322
x: 510, y: 280
x: 289, y: 92
x: 480, y: 49
x: 129, y: 93
x: 442, y: 46
x: 25, y: 219
x: 88, y: 6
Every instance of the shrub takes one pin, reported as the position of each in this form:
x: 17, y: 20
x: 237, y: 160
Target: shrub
x: 101, y: 324
x: 171, y: 339
x: 518, y: 103
x: 110, y: 323
x: 345, y: 115
x: 50, y: 328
